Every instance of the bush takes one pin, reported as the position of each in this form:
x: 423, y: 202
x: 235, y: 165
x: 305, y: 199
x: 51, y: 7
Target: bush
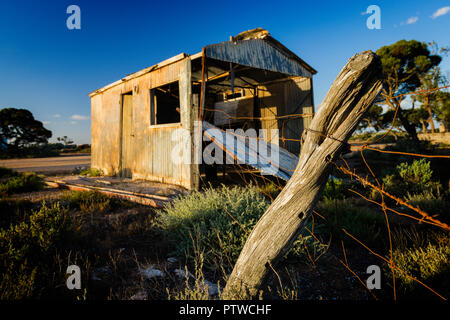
x: 406, y: 144
x: 430, y: 264
x: 13, y: 211
x: 431, y: 204
x: 92, y: 172
x: 26, y: 249
x: 22, y: 182
x: 7, y: 173
x: 219, y: 220
x: 34, y: 151
x: 361, y: 222
x: 334, y: 189
x: 372, y: 136
x: 270, y: 190
x: 88, y: 201
x: 415, y: 177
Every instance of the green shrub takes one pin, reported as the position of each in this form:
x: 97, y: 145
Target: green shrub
x: 270, y: 190
x: 26, y: 249
x: 415, y: 177
x: 34, y: 151
x: 335, y: 189
x: 307, y: 248
x: 217, y: 222
x: 429, y: 264
x: 88, y: 201
x: 362, y: 222
x: 406, y: 144
x: 430, y: 203
x: 92, y: 172
x: 22, y: 182
x: 372, y: 136
x: 7, y: 173
x: 13, y: 211
x: 218, y: 219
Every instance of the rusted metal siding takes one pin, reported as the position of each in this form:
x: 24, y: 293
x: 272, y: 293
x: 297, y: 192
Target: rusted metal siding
x: 127, y: 137
x: 161, y: 166
x: 105, y: 133
x: 256, y: 53
x: 151, y: 146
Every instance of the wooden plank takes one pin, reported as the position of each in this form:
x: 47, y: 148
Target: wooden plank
x: 148, y: 200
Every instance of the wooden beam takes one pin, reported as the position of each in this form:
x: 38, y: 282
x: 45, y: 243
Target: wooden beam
x: 351, y: 94
x: 145, y: 199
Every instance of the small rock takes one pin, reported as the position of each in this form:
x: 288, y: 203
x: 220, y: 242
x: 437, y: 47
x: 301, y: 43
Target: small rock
x: 171, y: 261
x: 213, y: 290
x: 140, y: 295
x: 151, y: 272
x: 105, y: 269
x: 95, y: 278
x: 180, y: 273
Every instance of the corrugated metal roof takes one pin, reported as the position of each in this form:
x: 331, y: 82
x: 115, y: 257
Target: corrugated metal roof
x: 253, y: 48
x: 257, y: 53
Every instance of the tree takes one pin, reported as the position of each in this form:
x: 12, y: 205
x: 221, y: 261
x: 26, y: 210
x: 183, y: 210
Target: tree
x: 442, y: 108
x: 405, y: 63
x: 67, y: 141
x: 373, y: 119
x: 435, y: 103
x: 419, y: 116
x: 19, y: 129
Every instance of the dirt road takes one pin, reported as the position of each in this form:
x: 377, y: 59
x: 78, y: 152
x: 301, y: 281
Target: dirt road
x: 53, y: 165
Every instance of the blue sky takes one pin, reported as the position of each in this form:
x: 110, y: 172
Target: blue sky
x: 49, y: 69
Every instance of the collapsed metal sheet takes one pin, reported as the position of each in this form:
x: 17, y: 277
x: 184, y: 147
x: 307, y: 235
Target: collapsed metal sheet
x: 268, y: 158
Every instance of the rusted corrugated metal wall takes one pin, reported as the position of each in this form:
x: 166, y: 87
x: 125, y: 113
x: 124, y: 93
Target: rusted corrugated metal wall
x: 151, y: 146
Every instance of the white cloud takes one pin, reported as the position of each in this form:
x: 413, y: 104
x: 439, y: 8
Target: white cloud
x: 440, y: 12
x: 412, y: 20
x: 56, y: 116
x: 73, y: 122
x: 79, y: 117
x: 46, y: 122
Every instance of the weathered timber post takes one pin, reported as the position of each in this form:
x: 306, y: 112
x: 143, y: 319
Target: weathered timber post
x: 351, y: 94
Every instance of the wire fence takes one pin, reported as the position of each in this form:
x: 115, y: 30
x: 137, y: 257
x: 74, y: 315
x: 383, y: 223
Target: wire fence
x: 372, y: 182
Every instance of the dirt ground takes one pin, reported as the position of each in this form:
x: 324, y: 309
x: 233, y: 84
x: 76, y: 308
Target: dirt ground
x: 120, y: 246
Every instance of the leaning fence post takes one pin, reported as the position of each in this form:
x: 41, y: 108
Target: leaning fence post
x: 351, y: 94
